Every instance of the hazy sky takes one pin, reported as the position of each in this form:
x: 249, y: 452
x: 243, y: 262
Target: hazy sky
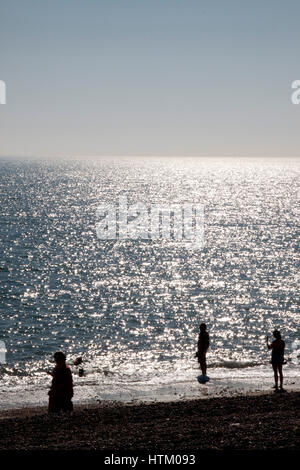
x: 149, y: 77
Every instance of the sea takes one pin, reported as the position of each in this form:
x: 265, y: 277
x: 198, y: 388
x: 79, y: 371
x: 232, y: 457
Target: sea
x: 131, y: 307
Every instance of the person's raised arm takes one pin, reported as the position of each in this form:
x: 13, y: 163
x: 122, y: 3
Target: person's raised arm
x: 269, y: 346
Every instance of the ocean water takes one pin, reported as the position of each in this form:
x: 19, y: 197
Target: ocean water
x: 131, y: 308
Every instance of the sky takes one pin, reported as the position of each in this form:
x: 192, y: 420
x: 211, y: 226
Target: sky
x: 149, y: 77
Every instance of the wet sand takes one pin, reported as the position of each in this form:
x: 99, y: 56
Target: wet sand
x: 263, y: 422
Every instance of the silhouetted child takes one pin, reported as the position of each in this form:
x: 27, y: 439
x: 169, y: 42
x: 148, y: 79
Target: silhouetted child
x: 78, y: 362
x: 61, y: 391
x: 203, y: 345
x: 277, y: 357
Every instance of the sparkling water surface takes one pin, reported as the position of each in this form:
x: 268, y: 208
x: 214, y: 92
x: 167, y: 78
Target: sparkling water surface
x: 132, y: 308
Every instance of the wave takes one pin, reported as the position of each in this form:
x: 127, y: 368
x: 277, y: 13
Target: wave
x: 236, y: 364
x: 13, y: 371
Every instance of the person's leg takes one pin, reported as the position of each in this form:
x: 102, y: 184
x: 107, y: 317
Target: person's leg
x: 203, y: 363
x: 67, y: 406
x: 275, y: 376
x: 54, y: 405
x: 51, y: 405
x: 280, y: 375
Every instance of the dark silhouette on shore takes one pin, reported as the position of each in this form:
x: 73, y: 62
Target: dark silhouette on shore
x: 203, y: 345
x: 78, y: 362
x: 61, y: 391
x: 277, y: 358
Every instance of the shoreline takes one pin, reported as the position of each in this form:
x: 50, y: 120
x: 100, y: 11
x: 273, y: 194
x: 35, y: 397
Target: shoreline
x: 246, y: 422
x: 42, y: 409
x: 93, y: 389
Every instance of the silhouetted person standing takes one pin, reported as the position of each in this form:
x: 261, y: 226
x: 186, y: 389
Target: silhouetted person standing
x: 277, y: 357
x: 61, y: 391
x: 203, y: 345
